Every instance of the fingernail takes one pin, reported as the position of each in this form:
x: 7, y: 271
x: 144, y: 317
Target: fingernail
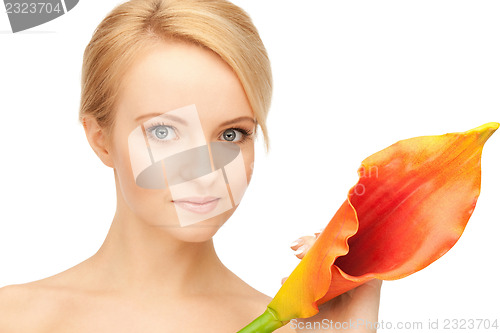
x: 299, y: 250
x: 296, y: 242
x: 319, y: 232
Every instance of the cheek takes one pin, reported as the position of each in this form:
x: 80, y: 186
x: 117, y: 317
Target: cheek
x: 123, y: 169
x: 147, y: 204
x: 248, y: 157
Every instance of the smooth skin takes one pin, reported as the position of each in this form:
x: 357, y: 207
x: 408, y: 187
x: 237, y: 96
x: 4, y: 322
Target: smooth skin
x: 147, y: 277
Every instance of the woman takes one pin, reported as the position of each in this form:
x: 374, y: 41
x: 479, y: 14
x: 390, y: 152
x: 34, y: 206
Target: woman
x: 173, y: 92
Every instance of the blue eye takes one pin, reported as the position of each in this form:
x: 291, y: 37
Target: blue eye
x: 235, y: 135
x: 162, y: 133
x: 230, y: 135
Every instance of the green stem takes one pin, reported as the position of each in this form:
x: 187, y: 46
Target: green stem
x: 265, y: 323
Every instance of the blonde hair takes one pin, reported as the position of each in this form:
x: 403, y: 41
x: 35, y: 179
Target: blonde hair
x: 130, y: 28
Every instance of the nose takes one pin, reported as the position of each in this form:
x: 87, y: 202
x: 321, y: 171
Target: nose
x: 188, y: 165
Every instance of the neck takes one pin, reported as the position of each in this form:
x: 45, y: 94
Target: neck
x: 137, y: 256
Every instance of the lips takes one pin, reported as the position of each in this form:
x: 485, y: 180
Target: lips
x: 199, y: 205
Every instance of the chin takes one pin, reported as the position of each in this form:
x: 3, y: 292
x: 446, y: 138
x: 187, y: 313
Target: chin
x: 201, y: 231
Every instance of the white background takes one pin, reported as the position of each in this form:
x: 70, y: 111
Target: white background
x: 351, y: 78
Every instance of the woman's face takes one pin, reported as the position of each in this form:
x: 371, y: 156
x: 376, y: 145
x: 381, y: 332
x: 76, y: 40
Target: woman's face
x: 183, y: 141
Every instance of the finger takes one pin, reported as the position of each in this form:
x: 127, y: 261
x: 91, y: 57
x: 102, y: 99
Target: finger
x: 375, y: 284
x: 284, y: 279
x: 367, y: 295
x: 316, y: 234
x: 304, y: 246
x: 297, y: 243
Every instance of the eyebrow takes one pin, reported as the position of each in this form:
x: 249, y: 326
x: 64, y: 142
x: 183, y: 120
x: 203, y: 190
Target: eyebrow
x: 164, y: 115
x: 183, y: 122
x: 235, y: 120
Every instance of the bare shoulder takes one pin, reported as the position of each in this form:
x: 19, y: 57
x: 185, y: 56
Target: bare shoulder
x: 251, y: 299
x: 33, y: 306
x: 258, y: 303
x: 255, y: 304
x: 286, y: 329
x: 25, y: 307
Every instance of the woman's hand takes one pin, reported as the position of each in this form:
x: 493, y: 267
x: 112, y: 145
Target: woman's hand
x: 354, y: 311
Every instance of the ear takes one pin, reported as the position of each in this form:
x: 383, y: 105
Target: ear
x: 98, y: 140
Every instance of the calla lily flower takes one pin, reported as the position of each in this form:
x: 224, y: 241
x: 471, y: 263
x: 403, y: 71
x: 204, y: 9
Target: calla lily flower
x: 409, y: 207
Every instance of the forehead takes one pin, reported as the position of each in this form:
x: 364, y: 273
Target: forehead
x: 175, y: 74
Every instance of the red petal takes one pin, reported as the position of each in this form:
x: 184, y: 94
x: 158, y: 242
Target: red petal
x: 413, y: 201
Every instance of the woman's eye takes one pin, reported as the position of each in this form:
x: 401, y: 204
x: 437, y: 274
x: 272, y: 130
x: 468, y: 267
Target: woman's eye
x: 163, y: 133
x: 232, y: 135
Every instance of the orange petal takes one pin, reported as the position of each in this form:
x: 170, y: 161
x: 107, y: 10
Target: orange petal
x: 298, y: 295
x: 409, y: 207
